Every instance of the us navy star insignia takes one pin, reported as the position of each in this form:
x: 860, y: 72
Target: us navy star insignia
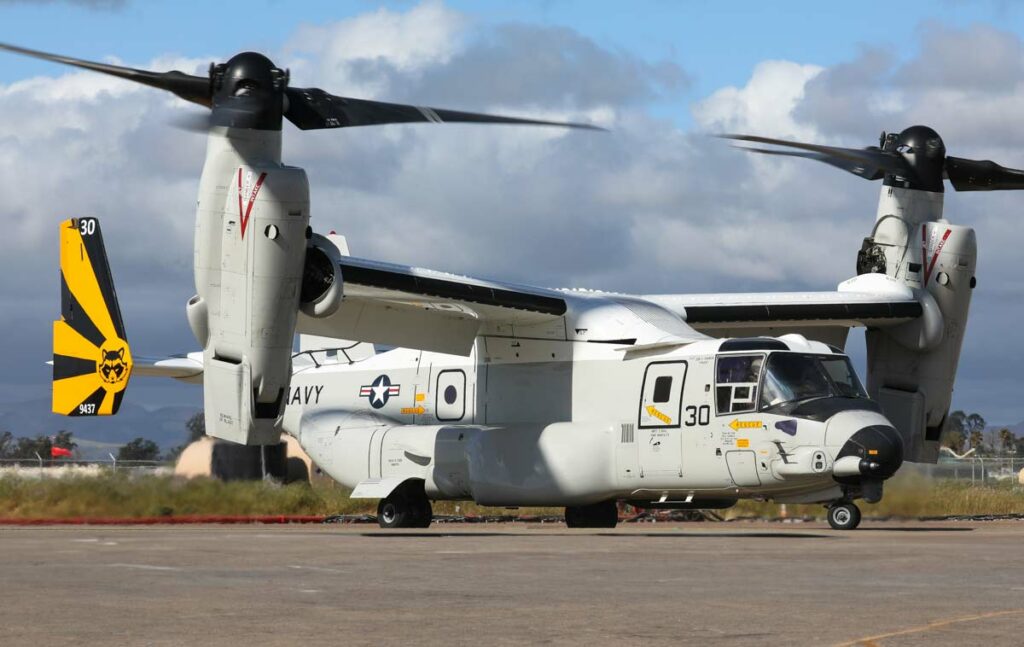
x: 380, y: 391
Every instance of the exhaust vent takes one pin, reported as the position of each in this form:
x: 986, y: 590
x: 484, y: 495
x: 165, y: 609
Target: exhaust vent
x: 627, y: 432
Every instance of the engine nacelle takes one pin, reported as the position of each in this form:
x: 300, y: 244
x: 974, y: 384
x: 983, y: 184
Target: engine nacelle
x: 251, y: 225
x: 911, y: 368
x: 322, y: 284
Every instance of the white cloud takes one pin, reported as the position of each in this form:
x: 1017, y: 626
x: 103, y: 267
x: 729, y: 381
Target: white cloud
x: 340, y: 54
x: 764, y: 105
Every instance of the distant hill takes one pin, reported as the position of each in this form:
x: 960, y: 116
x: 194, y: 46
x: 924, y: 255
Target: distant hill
x: 1017, y: 429
x: 164, y: 426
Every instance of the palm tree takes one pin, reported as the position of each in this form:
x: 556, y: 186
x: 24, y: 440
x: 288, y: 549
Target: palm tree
x: 976, y: 440
x: 1007, y: 439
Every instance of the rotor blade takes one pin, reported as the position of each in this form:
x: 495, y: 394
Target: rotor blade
x: 192, y: 122
x: 847, y: 165
x: 982, y: 175
x: 190, y: 88
x: 312, y: 108
x: 868, y: 163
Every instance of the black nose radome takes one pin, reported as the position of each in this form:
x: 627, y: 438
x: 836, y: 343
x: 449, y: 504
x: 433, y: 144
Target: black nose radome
x: 879, y: 448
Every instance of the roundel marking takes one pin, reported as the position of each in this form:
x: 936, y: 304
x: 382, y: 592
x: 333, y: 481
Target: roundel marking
x: 380, y: 391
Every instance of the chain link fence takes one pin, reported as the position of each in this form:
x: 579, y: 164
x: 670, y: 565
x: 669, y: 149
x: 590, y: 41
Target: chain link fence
x: 979, y: 470
x: 41, y: 467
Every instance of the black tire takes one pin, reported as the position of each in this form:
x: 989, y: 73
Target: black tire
x: 424, y: 513
x: 395, y: 512
x: 843, y: 516
x: 596, y: 515
x: 573, y: 517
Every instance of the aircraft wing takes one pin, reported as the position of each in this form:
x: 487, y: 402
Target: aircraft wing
x: 411, y: 307
x: 870, y: 300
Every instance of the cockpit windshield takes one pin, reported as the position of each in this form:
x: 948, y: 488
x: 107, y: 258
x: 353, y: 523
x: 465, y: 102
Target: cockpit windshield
x: 794, y: 377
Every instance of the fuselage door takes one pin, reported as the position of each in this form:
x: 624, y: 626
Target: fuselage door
x: 658, y: 434
x: 662, y: 395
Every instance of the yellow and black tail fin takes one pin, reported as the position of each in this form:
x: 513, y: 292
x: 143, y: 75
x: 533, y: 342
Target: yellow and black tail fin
x: 91, y: 360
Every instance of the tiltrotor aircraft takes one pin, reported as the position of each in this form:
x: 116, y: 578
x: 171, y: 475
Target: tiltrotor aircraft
x: 512, y: 395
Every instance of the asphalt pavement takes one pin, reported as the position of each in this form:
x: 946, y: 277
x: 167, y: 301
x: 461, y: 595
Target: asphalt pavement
x: 740, y: 583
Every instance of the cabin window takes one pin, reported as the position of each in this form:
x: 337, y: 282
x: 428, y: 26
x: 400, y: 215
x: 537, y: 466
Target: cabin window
x: 736, y: 379
x: 662, y: 389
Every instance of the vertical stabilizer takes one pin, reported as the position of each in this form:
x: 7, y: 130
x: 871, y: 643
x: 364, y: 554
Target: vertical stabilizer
x: 91, y: 358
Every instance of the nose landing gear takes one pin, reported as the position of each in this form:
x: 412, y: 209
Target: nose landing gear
x: 843, y: 515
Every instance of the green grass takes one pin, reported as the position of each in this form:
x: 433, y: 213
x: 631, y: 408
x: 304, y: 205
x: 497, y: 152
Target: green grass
x: 910, y: 495
x: 122, y: 495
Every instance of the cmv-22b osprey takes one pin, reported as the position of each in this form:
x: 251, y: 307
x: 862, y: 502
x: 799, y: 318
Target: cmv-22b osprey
x: 512, y: 395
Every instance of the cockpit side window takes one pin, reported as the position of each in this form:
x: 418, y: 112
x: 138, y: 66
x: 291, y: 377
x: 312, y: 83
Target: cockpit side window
x: 795, y: 378
x: 736, y: 379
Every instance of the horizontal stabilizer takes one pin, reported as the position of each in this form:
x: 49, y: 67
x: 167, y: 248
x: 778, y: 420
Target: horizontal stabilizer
x: 188, y: 368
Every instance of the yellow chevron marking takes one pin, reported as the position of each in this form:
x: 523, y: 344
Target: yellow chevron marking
x: 738, y: 424
x: 71, y: 392
x: 67, y: 341
x: 81, y: 279
x: 653, y: 412
x: 411, y: 411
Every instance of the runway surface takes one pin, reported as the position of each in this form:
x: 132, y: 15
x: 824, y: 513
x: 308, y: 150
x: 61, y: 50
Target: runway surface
x: 673, y: 583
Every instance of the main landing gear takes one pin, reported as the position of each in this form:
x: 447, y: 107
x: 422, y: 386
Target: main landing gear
x: 406, y: 507
x: 843, y: 515
x: 595, y: 515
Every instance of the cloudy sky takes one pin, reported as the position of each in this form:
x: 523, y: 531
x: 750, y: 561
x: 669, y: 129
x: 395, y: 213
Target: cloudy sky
x: 655, y: 205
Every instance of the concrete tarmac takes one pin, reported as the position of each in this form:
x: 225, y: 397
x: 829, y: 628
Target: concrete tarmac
x: 739, y: 583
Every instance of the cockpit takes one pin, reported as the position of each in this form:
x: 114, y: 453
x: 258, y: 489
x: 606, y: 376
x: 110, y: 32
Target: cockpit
x: 780, y: 382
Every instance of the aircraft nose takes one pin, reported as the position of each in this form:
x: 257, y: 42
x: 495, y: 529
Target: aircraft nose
x: 873, y: 452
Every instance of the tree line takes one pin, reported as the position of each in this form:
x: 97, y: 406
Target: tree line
x: 966, y: 431
x: 137, y: 449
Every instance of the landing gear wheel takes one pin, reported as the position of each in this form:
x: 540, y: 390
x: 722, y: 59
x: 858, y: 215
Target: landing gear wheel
x: 596, y: 515
x: 843, y: 516
x: 424, y: 514
x: 406, y: 507
x: 395, y: 512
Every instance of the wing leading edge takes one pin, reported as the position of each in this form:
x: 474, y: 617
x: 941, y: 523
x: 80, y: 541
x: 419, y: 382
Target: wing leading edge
x: 400, y: 305
x: 870, y: 300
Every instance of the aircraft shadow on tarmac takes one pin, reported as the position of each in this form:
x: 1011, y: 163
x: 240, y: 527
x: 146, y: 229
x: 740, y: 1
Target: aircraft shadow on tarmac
x: 659, y: 535
x: 899, y: 529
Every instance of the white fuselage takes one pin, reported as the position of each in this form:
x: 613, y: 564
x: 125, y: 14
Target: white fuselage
x: 542, y: 422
